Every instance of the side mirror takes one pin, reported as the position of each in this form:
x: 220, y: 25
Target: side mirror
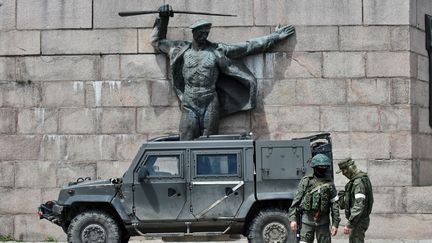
x: 143, y: 173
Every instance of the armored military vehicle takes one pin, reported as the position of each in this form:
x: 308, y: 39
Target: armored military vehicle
x: 217, y: 185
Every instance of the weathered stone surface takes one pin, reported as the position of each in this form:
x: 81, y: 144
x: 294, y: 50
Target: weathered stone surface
x: 118, y: 93
x: 424, y: 168
x: 280, y: 92
x: 401, y: 145
x: 68, y: 172
x: 20, y: 43
x: 37, y: 120
x: 418, y: 199
x: 143, y: 66
x: 421, y: 146
x: 423, y: 121
x: 162, y: 93
x: 321, y: 91
x: 364, y: 118
x: 63, y: 94
x: 396, y: 118
x: 57, y: 68
x: 236, y: 123
x: 35, y: 174
x: 110, y: 67
x: 24, y: 147
x: 423, y: 7
x: 89, y: 41
x: 385, y: 200
x: 231, y: 35
x: 19, y: 200
x: 149, y: 120
x: 420, y: 93
x: 334, y: 118
x: 7, y: 174
x: 128, y: 145
x: 369, y: 91
x: 261, y: 65
x: 6, y: 225
x: 386, y: 12
x: 370, y: 145
x: 344, y: 64
x: 311, y: 38
x: 54, y: 147
x: 53, y: 14
x: 400, y: 38
x: 7, y: 11
x: 31, y: 228
x: 20, y: 94
x: 400, y: 91
x: 365, y: 38
x: 388, y: 64
x: 7, y: 68
x: 7, y: 120
x: 417, y: 41
x: 78, y: 120
x: 423, y: 68
x: 390, y: 172
x: 308, y: 12
x: 117, y: 120
x: 341, y: 145
x: 90, y: 148
x: 388, y: 226
x: 298, y: 65
x: 49, y: 194
x: 112, y: 169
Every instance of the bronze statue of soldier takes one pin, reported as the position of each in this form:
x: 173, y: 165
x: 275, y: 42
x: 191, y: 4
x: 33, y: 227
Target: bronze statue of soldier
x: 208, y: 78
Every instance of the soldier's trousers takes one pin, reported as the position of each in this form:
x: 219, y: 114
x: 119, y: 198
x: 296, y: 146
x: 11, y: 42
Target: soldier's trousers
x: 358, y: 232
x: 322, y: 233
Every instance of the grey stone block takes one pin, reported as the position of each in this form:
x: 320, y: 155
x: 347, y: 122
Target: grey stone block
x: 298, y: 65
x: 53, y: 14
x: 232, y: 35
x: 6, y: 225
x: 424, y: 169
x: 390, y: 172
x: 54, y: 147
x: 63, y: 94
x: 35, y: 174
x: 385, y: 200
x: 386, y: 12
x: 308, y: 12
x: 423, y: 7
x: 49, y: 194
x: 20, y: 201
x: 344, y: 64
x: 70, y: 172
x: 334, y: 118
x: 90, y: 148
x: 117, y: 120
x: 388, y: 226
x: 58, y: 68
x: 7, y: 68
x: 89, y: 41
x: 31, y: 228
x: 144, y: 40
x: 279, y: 92
x: 235, y: 124
x: 418, y: 199
x: 400, y: 38
x: 7, y: 174
x: 401, y: 145
x: 364, y: 38
x: 370, y: 145
x: 12, y: 147
x: 7, y: 11
x: 388, y: 64
x: 149, y: 120
x: 364, y: 118
x: 395, y: 118
x: 321, y: 91
x: 417, y: 41
x: 423, y: 121
x: 143, y: 66
x: 423, y: 68
x: 118, y: 93
x: 37, y: 120
x: 110, y: 67
x: 20, y: 94
x: 111, y: 169
x: 421, y: 146
x: 7, y: 121
x: 400, y: 91
x: 311, y: 38
x: 421, y: 91
x: 20, y: 43
x: 128, y: 145
x: 341, y: 145
x: 162, y: 93
x: 369, y: 91
x: 78, y: 120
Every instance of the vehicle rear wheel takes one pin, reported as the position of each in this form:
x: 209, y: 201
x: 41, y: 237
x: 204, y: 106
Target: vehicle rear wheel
x: 270, y: 225
x: 94, y: 227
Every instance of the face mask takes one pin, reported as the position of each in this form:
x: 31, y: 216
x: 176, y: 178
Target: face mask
x: 320, y: 172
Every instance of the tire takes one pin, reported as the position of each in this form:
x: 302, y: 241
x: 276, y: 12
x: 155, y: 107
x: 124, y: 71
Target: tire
x: 270, y: 225
x: 93, y: 227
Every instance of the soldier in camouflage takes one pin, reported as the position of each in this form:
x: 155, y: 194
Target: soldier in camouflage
x: 357, y: 200
x: 317, y: 198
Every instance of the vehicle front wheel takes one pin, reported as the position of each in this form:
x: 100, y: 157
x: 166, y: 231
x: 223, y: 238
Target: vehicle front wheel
x: 270, y: 225
x: 94, y: 227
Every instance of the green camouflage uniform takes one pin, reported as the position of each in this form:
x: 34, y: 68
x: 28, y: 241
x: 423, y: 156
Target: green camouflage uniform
x: 316, y: 195
x: 357, y: 202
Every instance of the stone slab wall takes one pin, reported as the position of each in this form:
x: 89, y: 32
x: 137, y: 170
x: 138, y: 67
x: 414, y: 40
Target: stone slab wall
x: 81, y: 88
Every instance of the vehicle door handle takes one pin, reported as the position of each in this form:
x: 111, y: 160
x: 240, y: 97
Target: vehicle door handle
x: 172, y: 192
x: 228, y: 191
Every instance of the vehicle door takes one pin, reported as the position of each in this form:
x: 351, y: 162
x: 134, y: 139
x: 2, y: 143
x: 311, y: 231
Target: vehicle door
x: 216, y: 183
x: 159, y: 185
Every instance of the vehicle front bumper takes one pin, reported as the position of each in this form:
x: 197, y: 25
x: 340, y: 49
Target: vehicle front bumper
x: 51, y: 211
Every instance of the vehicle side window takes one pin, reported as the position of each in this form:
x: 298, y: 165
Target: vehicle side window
x: 216, y: 164
x: 163, y: 165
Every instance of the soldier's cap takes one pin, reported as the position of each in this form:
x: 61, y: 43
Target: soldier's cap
x: 344, y: 164
x: 200, y: 23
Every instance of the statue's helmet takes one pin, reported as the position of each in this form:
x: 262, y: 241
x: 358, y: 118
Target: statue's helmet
x: 200, y: 23
x: 320, y: 160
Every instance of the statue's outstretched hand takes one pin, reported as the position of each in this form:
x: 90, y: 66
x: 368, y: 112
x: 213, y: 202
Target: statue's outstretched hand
x: 166, y: 11
x: 284, y: 31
